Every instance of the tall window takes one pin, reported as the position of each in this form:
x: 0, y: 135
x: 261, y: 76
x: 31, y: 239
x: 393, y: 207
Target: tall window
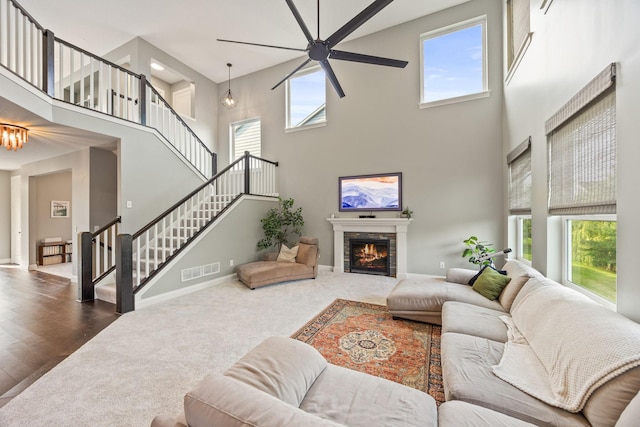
x: 581, y: 139
x: 518, y: 31
x: 454, y: 63
x: 306, y: 99
x: 519, y: 162
x: 245, y: 136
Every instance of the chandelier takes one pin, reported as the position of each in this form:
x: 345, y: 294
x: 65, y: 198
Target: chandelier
x: 227, y: 99
x: 13, y: 137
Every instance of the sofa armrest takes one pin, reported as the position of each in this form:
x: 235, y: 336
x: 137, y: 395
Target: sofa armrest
x: 163, y: 421
x: 460, y: 275
x: 222, y: 401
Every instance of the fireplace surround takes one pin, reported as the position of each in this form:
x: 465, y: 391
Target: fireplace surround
x: 396, y: 227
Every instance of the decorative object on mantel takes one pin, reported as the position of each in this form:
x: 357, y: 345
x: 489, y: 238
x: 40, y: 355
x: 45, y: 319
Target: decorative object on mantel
x: 322, y: 50
x: 227, y: 99
x: 13, y: 137
x: 280, y: 223
x: 406, y: 213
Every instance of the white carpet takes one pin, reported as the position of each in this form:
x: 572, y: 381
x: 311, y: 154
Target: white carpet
x: 143, y: 363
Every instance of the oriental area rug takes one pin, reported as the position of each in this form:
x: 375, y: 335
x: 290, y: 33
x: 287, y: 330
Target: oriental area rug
x: 364, y: 337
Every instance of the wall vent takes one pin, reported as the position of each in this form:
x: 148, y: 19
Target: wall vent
x: 191, y: 273
x: 210, y: 269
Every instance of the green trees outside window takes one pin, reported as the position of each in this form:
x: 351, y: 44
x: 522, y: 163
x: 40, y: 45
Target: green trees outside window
x: 593, y: 256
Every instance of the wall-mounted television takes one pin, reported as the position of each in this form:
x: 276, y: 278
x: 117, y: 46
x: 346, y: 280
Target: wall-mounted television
x: 378, y: 192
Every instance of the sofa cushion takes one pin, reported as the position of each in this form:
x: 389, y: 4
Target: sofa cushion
x: 456, y: 413
x: 287, y: 254
x: 470, y: 319
x: 467, y: 375
x: 262, y: 273
x: 282, y: 367
x: 356, y: 399
x: 460, y: 275
x: 219, y: 400
x: 614, y: 398
x: 490, y: 283
x: 520, y: 274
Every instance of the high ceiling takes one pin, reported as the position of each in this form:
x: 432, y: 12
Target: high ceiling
x: 187, y: 30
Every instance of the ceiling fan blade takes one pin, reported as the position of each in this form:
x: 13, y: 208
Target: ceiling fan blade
x: 263, y: 45
x: 332, y: 77
x: 367, y: 59
x: 298, y: 68
x: 303, y: 26
x: 356, y: 22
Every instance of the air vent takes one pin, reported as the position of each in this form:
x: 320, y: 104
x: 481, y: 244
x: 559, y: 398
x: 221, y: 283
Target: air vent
x: 191, y: 273
x: 210, y: 269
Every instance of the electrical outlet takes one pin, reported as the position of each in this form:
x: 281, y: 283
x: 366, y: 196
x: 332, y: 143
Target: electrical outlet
x: 442, y: 264
x: 230, y: 263
x: 129, y: 204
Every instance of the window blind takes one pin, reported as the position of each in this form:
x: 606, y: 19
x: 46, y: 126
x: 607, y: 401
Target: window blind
x: 582, y: 159
x: 520, y: 184
x: 519, y: 26
x: 246, y: 136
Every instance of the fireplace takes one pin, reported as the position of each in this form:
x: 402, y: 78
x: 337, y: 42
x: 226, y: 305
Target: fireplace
x: 369, y: 256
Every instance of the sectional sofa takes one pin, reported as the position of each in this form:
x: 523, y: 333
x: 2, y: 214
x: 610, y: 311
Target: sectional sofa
x: 541, y: 354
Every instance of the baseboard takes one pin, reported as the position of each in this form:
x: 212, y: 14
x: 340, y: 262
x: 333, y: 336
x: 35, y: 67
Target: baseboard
x: 5, y: 261
x: 32, y: 267
x: 422, y: 276
x: 144, y: 302
x: 325, y: 267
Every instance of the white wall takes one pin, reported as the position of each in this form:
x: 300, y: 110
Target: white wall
x: 450, y: 156
x: 571, y: 44
x: 5, y: 216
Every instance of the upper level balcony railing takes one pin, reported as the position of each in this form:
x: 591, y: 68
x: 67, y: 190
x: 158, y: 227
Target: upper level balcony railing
x: 71, y: 74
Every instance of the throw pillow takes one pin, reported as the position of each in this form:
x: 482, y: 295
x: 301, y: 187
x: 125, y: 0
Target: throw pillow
x: 287, y: 254
x: 474, y: 278
x: 490, y: 283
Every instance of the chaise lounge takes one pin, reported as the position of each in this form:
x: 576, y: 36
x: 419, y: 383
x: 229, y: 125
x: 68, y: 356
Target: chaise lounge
x: 272, y: 270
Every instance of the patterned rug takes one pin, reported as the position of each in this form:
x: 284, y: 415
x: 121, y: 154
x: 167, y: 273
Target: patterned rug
x: 365, y: 337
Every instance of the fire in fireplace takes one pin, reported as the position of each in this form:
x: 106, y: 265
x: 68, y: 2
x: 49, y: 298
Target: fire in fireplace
x: 370, y: 256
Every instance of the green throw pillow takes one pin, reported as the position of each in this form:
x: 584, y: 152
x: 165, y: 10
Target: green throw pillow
x: 490, y: 283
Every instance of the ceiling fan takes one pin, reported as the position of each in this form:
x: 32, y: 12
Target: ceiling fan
x: 323, y: 50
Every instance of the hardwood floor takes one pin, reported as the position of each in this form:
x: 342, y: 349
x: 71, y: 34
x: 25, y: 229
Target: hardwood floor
x: 41, y: 323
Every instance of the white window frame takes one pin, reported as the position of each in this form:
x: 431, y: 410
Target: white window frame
x: 288, y: 126
x: 566, y: 256
x: 232, y: 148
x: 520, y: 240
x: 485, y: 92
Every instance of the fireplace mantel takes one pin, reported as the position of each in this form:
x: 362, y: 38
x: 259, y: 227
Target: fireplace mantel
x: 371, y: 225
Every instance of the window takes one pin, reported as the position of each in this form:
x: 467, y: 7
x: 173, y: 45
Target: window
x: 581, y: 140
x: 306, y: 99
x: 454, y: 63
x: 523, y: 251
x: 245, y: 136
x: 519, y: 162
x: 518, y: 31
x: 590, y: 255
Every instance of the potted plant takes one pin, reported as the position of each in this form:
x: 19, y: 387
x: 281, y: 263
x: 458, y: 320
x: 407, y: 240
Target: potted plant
x: 406, y: 213
x: 280, y: 223
x: 476, y: 249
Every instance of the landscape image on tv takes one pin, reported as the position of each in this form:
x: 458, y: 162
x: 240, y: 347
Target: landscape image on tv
x: 371, y: 192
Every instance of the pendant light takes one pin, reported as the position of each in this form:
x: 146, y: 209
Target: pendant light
x: 228, y: 100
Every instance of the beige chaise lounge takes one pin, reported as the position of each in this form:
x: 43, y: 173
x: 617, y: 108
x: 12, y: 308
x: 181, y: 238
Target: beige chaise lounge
x: 269, y: 271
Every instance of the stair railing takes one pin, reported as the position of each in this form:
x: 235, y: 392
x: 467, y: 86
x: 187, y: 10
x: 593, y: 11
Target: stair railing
x: 141, y: 256
x: 97, y: 257
x: 70, y: 74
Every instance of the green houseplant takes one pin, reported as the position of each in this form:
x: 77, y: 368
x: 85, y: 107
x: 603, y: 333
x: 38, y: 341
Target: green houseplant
x: 280, y: 223
x: 476, y: 249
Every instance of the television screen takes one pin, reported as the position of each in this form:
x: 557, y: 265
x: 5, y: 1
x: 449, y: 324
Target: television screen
x: 380, y: 192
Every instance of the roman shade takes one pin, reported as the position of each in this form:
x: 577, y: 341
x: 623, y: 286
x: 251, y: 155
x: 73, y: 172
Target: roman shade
x: 518, y: 27
x: 519, y: 162
x: 581, y: 140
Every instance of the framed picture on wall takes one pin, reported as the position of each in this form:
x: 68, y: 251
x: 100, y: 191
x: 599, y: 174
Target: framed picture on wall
x: 59, y: 209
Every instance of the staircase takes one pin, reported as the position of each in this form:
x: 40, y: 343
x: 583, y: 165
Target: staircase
x: 139, y: 257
